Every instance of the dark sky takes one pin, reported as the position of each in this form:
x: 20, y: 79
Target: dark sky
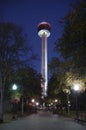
x: 29, y: 13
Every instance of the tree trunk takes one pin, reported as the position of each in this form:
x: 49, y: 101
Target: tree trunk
x: 1, y: 100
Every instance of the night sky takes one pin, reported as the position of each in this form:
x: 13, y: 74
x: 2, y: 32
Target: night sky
x: 29, y: 13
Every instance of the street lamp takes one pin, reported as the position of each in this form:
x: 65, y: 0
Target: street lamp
x: 56, y: 100
x: 14, y: 87
x: 33, y: 100
x: 37, y: 103
x: 76, y: 89
x: 68, y: 101
x: 67, y: 91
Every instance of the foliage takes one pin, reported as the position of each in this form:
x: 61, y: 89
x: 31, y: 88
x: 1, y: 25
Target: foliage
x: 30, y: 81
x: 13, y: 49
x: 72, y: 45
x: 54, y: 65
x: 14, y: 52
x: 28, y: 84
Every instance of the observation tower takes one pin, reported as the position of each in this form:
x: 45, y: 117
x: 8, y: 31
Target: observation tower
x: 44, y: 32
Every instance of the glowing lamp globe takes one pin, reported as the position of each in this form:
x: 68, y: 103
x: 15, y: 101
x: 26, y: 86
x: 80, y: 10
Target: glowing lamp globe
x: 76, y: 87
x: 14, y: 87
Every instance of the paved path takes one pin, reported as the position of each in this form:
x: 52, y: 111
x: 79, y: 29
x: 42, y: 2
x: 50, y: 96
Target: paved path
x: 42, y: 121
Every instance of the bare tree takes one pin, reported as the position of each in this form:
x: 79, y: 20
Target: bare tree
x: 14, y: 52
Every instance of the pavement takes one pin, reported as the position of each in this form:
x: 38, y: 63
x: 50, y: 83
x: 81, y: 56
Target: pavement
x: 43, y: 121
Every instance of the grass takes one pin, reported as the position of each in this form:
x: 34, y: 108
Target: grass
x: 7, y: 117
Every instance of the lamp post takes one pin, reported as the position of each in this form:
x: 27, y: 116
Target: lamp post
x: 68, y: 101
x: 33, y: 101
x: 14, y: 88
x: 76, y: 89
x: 67, y: 91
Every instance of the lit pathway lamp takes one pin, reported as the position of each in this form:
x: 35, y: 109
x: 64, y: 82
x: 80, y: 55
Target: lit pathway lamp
x: 67, y: 91
x: 68, y: 101
x: 76, y: 89
x: 33, y: 102
x: 37, y: 104
x: 14, y: 88
x: 55, y: 102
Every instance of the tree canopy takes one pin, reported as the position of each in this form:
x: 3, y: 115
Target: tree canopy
x: 72, y: 44
x: 14, y: 53
x: 71, y: 68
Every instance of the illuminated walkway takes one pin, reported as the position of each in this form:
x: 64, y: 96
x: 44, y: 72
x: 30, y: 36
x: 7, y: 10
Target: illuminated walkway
x: 42, y: 121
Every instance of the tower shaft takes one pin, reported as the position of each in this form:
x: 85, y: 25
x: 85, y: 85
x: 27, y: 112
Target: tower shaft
x: 44, y: 64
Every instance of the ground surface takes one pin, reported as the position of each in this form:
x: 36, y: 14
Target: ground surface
x: 43, y: 121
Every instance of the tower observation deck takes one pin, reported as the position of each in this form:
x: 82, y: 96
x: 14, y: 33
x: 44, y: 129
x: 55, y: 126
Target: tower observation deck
x: 44, y: 32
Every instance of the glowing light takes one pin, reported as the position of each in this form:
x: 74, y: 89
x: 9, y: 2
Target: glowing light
x: 76, y: 87
x: 14, y: 87
x: 44, y: 32
x: 37, y: 103
x: 33, y: 100
x: 56, y: 100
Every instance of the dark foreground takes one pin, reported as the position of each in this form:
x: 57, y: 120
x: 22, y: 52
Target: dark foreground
x: 43, y: 121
